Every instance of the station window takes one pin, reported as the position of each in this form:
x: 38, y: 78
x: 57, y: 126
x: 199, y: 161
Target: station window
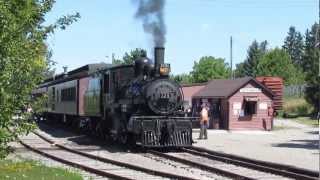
x: 250, y: 108
x: 68, y: 94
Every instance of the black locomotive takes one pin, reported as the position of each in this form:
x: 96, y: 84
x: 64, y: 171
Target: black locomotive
x: 130, y: 103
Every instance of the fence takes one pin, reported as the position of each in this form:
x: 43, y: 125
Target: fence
x: 294, y: 90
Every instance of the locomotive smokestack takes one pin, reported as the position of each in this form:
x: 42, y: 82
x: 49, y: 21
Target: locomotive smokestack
x: 158, y: 58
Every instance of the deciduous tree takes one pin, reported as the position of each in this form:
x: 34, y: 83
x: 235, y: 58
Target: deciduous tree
x: 182, y: 78
x: 277, y: 62
x: 208, y: 68
x: 23, y: 60
x: 137, y: 53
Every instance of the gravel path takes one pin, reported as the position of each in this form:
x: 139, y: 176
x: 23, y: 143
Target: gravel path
x: 21, y: 153
x: 38, y: 143
x: 88, y: 145
x: 296, y: 144
x: 247, y: 172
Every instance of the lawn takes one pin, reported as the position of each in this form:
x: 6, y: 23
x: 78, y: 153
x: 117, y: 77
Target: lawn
x: 32, y: 170
x: 278, y: 128
x: 298, y: 110
x: 307, y: 121
x: 294, y: 107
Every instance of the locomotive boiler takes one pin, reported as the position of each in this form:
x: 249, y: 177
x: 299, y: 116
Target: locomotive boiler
x: 132, y: 104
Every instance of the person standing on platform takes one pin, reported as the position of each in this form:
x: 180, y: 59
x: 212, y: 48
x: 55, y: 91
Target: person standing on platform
x: 204, y: 118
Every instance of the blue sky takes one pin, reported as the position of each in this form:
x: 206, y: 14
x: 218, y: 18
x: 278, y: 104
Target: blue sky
x: 195, y: 28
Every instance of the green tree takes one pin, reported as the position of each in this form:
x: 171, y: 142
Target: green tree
x: 277, y: 62
x: 254, y: 54
x: 182, y: 78
x: 294, y: 45
x: 208, y: 68
x: 137, y: 53
x: 240, y: 71
x: 311, y: 67
x: 117, y: 61
x: 23, y: 61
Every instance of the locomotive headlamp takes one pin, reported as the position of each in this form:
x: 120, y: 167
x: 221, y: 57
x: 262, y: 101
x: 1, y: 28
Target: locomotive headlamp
x: 164, y: 69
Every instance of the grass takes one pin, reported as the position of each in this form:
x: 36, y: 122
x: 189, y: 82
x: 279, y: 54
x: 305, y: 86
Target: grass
x: 278, y: 128
x: 33, y: 170
x: 294, y: 107
x: 298, y: 110
x: 307, y: 121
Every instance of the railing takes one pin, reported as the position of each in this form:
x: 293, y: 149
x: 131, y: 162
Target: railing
x: 294, y: 90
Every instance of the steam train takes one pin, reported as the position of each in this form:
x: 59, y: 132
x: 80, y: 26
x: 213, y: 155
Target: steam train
x: 132, y: 104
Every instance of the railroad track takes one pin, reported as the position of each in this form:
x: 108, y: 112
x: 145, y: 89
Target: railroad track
x: 94, y: 164
x: 209, y: 164
x: 139, y: 156
x: 274, y: 168
x: 203, y: 165
x: 229, y: 167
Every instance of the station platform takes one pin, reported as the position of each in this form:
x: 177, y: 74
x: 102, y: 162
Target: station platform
x: 293, y: 144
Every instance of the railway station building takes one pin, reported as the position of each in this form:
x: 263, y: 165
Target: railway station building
x: 234, y: 104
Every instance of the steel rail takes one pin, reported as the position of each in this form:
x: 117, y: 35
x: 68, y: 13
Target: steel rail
x: 73, y: 164
x: 201, y: 166
x: 275, y: 168
x: 118, y: 163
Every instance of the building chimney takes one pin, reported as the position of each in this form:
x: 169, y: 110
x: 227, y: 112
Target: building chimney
x: 65, y: 70
x: 158, y: 58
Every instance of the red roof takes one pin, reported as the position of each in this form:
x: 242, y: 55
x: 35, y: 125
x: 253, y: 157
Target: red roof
x: 226, y: 87
x: 189, y: 91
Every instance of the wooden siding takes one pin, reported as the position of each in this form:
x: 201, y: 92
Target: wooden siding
x: 259, y: 121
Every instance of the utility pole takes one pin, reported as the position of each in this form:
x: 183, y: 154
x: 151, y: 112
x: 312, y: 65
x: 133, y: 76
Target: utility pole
x: 231, y: 74
x: 318, y: 41
x: 318, y: 49
x: 113, y: 58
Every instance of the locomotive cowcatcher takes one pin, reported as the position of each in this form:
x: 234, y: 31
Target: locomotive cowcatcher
x: 132, y: 104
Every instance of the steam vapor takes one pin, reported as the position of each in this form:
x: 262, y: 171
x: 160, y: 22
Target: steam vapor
x: 151, y: 13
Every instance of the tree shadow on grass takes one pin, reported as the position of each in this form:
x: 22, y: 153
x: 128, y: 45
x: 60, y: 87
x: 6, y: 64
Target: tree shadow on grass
x: 303, y: 144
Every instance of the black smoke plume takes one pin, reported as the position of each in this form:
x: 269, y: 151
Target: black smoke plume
x: 151, y: 13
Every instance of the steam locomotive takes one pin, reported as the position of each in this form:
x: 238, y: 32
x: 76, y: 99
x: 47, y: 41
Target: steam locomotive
x: 132, y: 104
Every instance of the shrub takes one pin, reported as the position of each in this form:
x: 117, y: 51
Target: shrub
x: 294, y: 107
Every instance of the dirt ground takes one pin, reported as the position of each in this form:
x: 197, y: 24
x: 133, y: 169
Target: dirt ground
x: 291, y: 143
